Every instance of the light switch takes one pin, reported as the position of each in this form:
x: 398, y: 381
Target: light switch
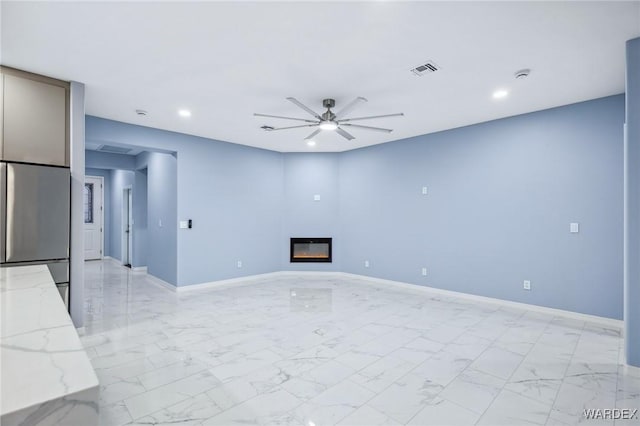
x: 424, y: 190
x: 159, y: 223
x: 316, y: 197
x: 184, y: 224
x: 574, y: 228
x: 366, y: 263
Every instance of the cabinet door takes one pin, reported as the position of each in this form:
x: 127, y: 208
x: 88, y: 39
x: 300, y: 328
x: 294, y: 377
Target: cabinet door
x: 35, y: 121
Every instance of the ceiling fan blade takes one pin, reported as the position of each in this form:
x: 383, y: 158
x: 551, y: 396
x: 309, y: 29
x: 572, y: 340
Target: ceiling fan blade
x: 279, y: 116
x: 351, y: 105
x: 312, y: 134
x: 292, y: 127
x: 398, y: 114
x: 377, y: 129
x: 344, y: 134
x: 304, y: 107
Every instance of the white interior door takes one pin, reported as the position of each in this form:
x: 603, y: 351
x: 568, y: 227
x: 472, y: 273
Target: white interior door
x: 93, y: 217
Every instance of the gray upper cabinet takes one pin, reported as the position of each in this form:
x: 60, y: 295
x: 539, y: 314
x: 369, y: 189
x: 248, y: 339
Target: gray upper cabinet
x: 35, y: 119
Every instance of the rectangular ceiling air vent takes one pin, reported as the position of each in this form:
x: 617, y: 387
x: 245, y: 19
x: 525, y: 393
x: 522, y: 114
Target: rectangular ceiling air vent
x: 427, y: 68
x: 114, y: 149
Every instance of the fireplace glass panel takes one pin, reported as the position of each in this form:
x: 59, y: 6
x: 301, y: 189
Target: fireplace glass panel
x: 310, y: 249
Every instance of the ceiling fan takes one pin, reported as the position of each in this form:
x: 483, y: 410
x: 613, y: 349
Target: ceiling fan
x: 329, y: 120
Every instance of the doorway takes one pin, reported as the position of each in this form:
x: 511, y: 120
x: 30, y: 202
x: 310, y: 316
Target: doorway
x: 127, y: 227
x: 93, y: 200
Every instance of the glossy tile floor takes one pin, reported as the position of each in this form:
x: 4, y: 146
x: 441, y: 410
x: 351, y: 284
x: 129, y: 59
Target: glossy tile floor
x: 315, y: 351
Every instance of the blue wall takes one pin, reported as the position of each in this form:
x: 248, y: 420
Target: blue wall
x: 110, y: 161
x: 632, y: 206
x: 232, y: 193
x: 307, y: 175
x: 162, y: 197
x: 120, y: 179
x: 156, y: 178
x: 500, y: 199
x: 140, y: 213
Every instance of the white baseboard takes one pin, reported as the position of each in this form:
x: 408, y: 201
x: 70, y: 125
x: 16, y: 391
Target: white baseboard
x: 139, y: 269
x: 607, y: 322
x: 112, y: 259
x: 250, y: 279
x: 326, y: 274
x: 162, y: 283
x: 81, y: 331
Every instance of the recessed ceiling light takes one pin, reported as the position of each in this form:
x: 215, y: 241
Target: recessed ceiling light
x: 499, y: 94
x: 184, y: 113
x: 311, y: 143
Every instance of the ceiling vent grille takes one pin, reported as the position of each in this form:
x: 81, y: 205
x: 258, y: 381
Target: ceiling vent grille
x: 426, y: 68
x: 114, y: 149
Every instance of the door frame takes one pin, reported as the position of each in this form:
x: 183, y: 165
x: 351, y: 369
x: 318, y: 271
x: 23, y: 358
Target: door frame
x: 127, y: 218
x: 101, y: 179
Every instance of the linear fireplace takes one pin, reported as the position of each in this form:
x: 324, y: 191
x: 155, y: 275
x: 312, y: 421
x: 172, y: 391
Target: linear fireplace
x: 310, y: 250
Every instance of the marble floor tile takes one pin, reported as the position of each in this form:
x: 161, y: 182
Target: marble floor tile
x: 274, y: 407
x: 170, y: 373
x: 117, y: 391
x: 190, y: 412
x: 167, y: 395
x: 382, y: 373
x: 367, y: 416
x: 441, y: 412
x: 442, y: 368
x: 405, y: 397
x: 574, y: 398
x: 510, y: 409
x: 498, y: 362
x: 473, y: 390
x: 328, y: 373
x: 244, y: 365
x: 357, y: 360
x: 113, y: 414
x: 361, y: 354
x: 334, y: 404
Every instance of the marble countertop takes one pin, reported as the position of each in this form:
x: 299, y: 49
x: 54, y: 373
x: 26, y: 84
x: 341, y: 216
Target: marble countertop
x: 42, y: 359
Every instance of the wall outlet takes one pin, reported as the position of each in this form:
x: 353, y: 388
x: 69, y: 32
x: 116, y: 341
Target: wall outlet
x: 316, y: 197
x: 184, y: 224
x: 366, y: 263
x: 424, y: 272
x: 239, y: 263
x: 424, y: 190
x: 526, y: 284
x: 574, y: 228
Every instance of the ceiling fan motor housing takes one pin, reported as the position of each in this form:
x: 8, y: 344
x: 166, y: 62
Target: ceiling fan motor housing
x: 328, y: 116
x: 328, y: 103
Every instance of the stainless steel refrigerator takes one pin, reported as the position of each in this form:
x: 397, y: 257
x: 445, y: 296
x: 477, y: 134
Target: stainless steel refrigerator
x: 35, y: 218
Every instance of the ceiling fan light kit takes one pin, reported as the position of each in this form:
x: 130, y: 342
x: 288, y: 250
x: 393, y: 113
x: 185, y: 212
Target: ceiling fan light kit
x: 328, y: 125
x: 329, y: 121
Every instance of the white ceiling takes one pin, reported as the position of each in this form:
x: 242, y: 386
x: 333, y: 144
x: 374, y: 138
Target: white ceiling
x: 225, y: 61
